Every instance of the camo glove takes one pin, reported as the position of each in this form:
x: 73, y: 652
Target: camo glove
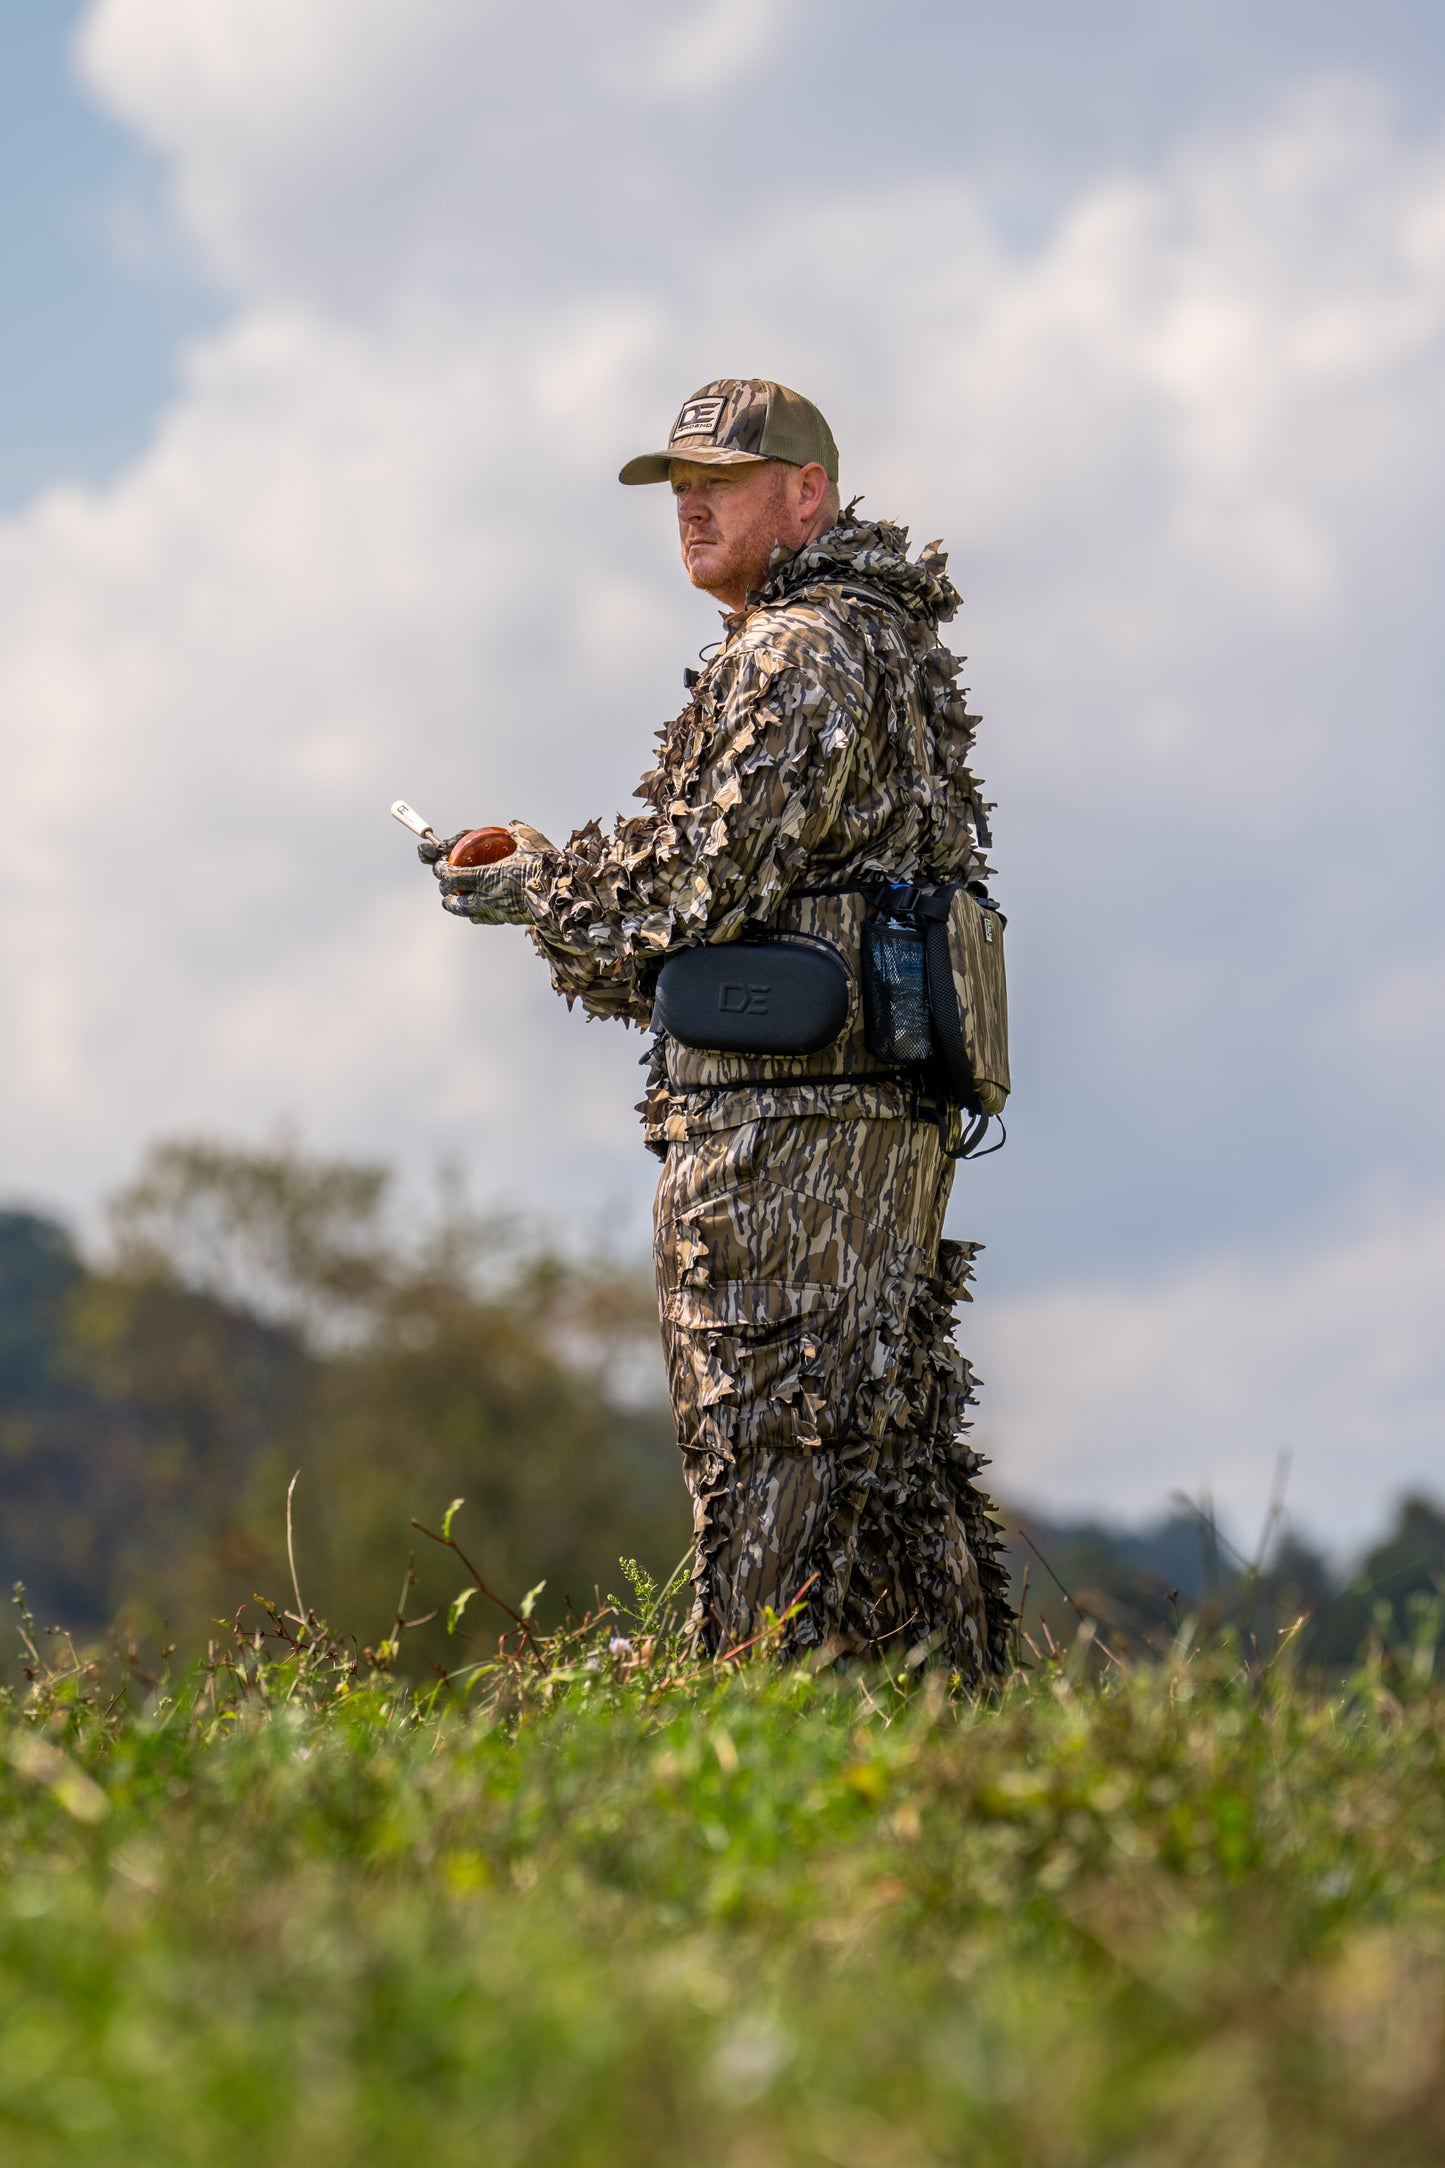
x: 492, y: 895
x: 488, y: 895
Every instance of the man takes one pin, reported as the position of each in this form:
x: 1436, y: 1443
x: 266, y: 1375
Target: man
x: 806, y: 1294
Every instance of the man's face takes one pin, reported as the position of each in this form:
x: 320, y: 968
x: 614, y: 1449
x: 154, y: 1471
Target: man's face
x: 728, y: 519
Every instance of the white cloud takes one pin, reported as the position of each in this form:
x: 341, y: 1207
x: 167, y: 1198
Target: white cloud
x: 365, y: 151
x: 1187, y: 451
x: 710, y: 50
x: 253, y: 100
x: 1203, y: 1379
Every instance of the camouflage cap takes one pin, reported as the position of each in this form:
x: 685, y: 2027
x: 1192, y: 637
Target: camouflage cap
x: 737, y: 421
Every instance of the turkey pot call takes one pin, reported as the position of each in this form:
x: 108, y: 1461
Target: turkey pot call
x: 482, y: 847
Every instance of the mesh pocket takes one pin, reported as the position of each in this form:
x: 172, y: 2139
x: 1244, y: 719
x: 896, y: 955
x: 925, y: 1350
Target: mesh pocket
x: 895, y: 993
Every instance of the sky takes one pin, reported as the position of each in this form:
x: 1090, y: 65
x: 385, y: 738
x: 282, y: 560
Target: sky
x: 323, y: 332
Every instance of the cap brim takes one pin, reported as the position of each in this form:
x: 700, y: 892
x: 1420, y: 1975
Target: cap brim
x: 656, y: 466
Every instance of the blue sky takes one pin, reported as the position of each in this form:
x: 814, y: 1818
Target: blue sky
x: 72, y: 185
x: 325, y: 331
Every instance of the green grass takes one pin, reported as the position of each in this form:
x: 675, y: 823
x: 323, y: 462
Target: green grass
x: 645, y: 1913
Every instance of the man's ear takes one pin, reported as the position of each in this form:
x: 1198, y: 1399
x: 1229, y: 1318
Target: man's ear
x: 812, y: 488
x: 816, y: 503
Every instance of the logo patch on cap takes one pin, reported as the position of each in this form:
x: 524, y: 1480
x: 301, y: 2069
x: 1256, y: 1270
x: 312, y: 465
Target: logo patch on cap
x: 699, y: 418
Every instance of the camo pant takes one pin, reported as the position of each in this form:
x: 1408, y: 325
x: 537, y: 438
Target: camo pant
x: 807, y: 1313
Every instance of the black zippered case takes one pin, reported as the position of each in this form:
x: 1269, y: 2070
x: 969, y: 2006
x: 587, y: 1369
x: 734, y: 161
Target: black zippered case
x: 784, y: 995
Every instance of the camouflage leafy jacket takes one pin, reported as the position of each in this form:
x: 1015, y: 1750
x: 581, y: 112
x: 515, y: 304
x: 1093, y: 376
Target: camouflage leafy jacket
x: 825, y: 744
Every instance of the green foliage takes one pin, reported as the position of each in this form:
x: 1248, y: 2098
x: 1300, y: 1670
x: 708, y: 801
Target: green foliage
x: 456, y: 1607
x: 594, y: 1903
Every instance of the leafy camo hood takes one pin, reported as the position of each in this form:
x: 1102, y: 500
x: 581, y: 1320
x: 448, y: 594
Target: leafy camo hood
x: 874, y: 553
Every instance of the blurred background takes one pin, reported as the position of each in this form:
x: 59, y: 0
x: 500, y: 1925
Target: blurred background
x: 323, y: 331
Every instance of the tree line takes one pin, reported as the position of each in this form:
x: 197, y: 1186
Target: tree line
x: 255, y: 1315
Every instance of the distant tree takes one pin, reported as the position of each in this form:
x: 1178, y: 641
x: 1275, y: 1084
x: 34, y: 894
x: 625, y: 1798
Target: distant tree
x: 1139, y: 1585
x: 279, y: 1233
x: 1400, y: 1573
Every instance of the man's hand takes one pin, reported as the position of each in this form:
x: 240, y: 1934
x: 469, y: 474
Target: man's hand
x: 488, y: 895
